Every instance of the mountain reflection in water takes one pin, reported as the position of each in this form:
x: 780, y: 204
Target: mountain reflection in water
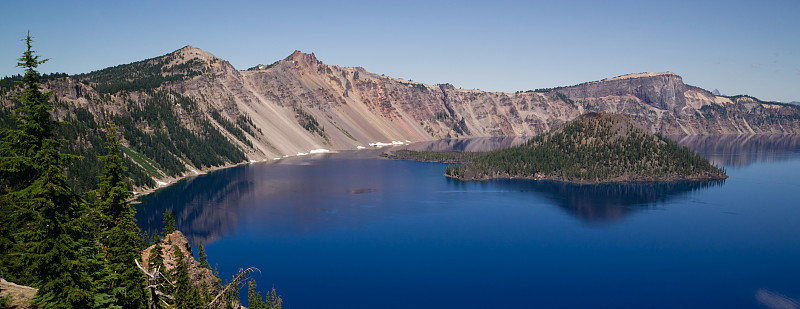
x: 742, y: 150
x: 318, y: 192
x: 606, y: 202
x: 477, y: 144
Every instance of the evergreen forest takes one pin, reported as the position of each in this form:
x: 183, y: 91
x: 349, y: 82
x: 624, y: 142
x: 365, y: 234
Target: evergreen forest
x: 593, y: 148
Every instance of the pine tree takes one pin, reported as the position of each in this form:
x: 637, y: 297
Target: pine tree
x: 156, y: 258
x: 169, y: 223
x: 201, y: 254
x: 254, y: 300
x: 186, y: 296
x: 120, y: 233
x: 32, y: 169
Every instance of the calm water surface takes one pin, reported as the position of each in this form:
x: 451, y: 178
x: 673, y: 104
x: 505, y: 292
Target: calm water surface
x: 351, y: 231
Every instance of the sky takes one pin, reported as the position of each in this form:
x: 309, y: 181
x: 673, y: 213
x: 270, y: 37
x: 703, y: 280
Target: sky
x: 738, y: 47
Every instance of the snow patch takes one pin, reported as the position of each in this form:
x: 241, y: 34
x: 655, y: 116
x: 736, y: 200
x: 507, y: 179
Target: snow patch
x: 360, y: 147
x: 161, y: 183
x: 302, y: 154
x: 320, y: 150
x: 379, y: 144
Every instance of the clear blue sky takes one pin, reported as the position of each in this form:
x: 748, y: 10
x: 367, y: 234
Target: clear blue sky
x: 738, y: 47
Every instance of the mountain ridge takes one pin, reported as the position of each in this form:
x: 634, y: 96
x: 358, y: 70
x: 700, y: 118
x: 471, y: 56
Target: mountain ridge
x: 299, y: 104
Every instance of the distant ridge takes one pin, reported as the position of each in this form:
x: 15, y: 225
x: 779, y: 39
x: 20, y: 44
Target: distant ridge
x: 188, y: 111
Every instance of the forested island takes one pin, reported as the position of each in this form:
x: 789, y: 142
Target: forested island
x: 593, y: 148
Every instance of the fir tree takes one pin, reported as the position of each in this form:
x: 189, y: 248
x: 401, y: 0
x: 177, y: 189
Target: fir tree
x: 169, y: 223
x: 201, y: 254
x: 156, y: 258
x: 186, y: 296
x: 254, y: 300
x: 120, y: 233
x: 32, y: 168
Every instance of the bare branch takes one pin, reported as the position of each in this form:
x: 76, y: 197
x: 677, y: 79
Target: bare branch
x: 243, y: 275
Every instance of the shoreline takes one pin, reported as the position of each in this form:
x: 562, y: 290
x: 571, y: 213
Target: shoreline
x: 597, y: 182
x: 135, y: 196
x: 134, y: 199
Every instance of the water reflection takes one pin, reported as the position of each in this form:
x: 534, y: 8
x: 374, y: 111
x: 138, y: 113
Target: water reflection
x: 607, y: 202
x: 307, y: 194
x: 743, y: 150
x: 293, y: 196
x: 478, y: 144
x: 204, y: 207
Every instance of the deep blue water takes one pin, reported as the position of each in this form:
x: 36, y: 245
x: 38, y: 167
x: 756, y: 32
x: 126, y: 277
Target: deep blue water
x: 344, y: 231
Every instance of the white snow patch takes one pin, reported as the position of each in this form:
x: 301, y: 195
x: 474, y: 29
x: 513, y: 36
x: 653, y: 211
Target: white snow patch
x: 397, y: 143
x: 379, y: 144
x: 320, y: 150
x: 252, y: 161
x: 407, y: 141
x: 161, y: 183
x: 302, y: 154
x: 360, y: 147
x: 276, y: 158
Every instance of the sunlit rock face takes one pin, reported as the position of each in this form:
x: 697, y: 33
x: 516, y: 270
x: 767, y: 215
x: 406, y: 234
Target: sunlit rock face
x: 299, y: 104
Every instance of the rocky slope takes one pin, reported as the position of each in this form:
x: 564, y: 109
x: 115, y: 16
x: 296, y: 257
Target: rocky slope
x: 190, y: 111
x: 199, y: 276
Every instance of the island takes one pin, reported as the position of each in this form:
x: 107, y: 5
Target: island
x: 593, y: 148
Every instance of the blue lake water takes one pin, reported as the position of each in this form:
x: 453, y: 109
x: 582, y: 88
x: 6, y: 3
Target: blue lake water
x: 352, y: 231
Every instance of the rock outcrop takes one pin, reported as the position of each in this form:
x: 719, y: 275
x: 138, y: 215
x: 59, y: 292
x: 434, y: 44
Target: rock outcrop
x: 198, y: 275
x: 20, y: 295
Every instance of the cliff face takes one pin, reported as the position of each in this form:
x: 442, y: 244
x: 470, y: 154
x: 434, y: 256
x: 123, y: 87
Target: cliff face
x: 300, y: 104
x: 664, y: 91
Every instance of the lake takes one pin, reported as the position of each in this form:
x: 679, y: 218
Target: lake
x: 349, y: 230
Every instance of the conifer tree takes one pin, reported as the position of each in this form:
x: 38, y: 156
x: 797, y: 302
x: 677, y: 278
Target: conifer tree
x: 156, y: 258
x: 181, y: 280
x: 169, y: 223
x: 186, y: 296
x: 33, y: 170
x: 201, y: 254
x: 120, y: 233
x: 254, y: 300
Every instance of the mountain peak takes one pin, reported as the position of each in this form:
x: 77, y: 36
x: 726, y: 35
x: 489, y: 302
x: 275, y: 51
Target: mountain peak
x: 303, y: 58
x: 191, y: 52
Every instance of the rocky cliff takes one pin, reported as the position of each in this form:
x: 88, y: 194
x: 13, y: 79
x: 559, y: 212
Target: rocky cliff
x: 190, y: 111
x: 199, y: 276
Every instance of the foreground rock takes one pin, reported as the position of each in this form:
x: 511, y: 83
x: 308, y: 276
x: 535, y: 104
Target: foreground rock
x: 198, y: 275
x: 20, y: 295
x: 594, y: 148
